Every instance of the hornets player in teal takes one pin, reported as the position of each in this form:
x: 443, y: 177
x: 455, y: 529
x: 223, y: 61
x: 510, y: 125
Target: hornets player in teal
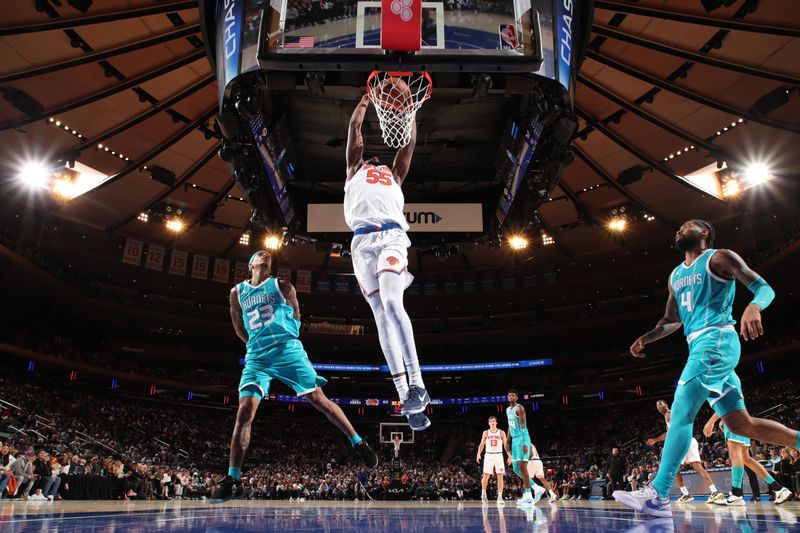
x: 701, y: 291
x: 520, y: 449
x: 739, y: 454
x: 266, y: 317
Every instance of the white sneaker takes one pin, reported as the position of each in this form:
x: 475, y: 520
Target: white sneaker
x: 553, y: 497
x: 782, y: 495
x: 526, y: 499
x: 500, y: 501
x: 538, y: 492
x: 732, y: 500
x: 646, y: 501
x: 484, y: 498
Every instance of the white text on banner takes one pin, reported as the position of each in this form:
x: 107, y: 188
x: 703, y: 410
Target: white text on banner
x: 200, y: 267
x: 285, y: 274
x: 222, y: 268
x: 178, y: 262
x: 303, y: 281
x: 241, y: 272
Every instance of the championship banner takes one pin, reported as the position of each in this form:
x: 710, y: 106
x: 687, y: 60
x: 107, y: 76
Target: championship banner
x: 509, y: 279
x: 322, y: 283
x: 449, y: 284
x: 155, y: 257
x: 285, y: 274
x: 529, y: 278
x: 430, y: 288
x: 132, y: 255
x: 178, y: 263
x: 488, y: 281
x: 200, y: 267
x: 222, y: 268
x: 459, y: 218
x: 469, y: 282
x: 342, y: 284
x: 241, y: 272
x: 303, y: 281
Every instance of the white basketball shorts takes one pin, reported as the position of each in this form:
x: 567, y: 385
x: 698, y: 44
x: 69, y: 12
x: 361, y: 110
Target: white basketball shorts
x: 380, y: 253
x: 493, y: 463
x: 535, y: 466
x: 693, y: 455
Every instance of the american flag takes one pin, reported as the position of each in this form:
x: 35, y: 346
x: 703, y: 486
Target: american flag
x: 298, y: 41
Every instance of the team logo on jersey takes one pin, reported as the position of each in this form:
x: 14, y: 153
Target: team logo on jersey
x: 392, y: 260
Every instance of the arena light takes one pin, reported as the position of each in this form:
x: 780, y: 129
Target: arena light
x: 617, y: 224
x: 35, y: 175
x: 518, y: 242
x: 649, y: 218
x: 143, y: 217
x: 272, y: 242
x: 244, y: 239
x: 547, y: 240
x: 175, y: 225
x: 756, y: 174
x: 731, y: 188
x: 64, y: 188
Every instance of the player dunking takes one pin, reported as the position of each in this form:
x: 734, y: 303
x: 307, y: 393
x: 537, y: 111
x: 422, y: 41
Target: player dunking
x: 701, y: 291
x: 494, y: 440
x: 739, y: 453
x: 520, y: 450
x: 692, y: 459
x: 266, y: 317
x: 373, y: 209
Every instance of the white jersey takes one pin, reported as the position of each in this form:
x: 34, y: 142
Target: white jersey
x: 372, y: 197
x: 494, y: 441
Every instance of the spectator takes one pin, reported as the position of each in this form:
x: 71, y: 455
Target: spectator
x: 616, y: 474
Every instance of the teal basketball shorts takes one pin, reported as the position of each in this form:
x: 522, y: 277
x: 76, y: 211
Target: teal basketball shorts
x: 287, y: 362
x: 735, y: 438
x: 713, y: 356
x: 516, y: 448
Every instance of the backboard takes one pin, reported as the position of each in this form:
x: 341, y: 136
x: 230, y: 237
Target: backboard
x: 456, y: 35
x: 388, y: 430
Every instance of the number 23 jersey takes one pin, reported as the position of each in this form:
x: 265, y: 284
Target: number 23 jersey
x: 704, y: 299
x: 372, y: 197
x: 268, y: 318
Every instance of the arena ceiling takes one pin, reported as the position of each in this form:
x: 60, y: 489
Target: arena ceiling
x: 121, y: 85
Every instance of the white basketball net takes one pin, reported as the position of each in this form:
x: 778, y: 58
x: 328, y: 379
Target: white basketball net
x: 397, y: 442
x: 397, y: 106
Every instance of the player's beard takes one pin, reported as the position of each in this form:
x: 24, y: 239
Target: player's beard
x: 686, y: 243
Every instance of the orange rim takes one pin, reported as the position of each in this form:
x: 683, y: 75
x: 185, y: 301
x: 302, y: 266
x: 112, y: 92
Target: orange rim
x: 424, y: 74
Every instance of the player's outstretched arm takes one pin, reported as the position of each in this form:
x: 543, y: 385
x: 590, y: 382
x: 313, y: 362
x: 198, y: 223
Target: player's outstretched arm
x: 728, y: 264
x: 355, y: 141
x: 236, y: 315
x: 660, y: 438
x: 480, y: 447
x: 669, y: 324
x: 402, y: 159
x: 708, y: 429
x: 289, y: 292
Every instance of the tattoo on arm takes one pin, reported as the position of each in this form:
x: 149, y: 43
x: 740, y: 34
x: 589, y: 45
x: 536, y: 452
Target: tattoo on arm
x: 728, y: 264
x: 669, y: 323
x: 236, y: 315
x: 290, y: 293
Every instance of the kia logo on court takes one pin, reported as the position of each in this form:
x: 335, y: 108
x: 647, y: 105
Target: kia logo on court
x: 402, y: 8
x: 422, y: 217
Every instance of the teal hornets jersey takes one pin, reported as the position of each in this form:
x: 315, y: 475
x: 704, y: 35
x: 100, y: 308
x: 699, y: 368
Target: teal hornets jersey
x: 268, y: 318
x: 704, y: 299
x: 515, y: 429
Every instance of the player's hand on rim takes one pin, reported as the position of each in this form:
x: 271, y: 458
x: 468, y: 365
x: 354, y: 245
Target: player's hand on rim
x: 637, y: 348
x: 752, y: 327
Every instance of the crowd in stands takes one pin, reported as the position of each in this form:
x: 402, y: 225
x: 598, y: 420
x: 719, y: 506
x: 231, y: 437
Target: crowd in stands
x: 62, y: 443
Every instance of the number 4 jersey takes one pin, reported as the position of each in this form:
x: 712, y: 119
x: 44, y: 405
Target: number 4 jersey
x: 372, y: 197
x: 268, y: 318
x: 705, y: 300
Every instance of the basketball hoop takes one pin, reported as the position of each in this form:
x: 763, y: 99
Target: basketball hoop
x: 397, y: 96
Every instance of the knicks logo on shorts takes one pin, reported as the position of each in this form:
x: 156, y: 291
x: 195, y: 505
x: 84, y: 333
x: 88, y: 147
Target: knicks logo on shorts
x: 392, y: 260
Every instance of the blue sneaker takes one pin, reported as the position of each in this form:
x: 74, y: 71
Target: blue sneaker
x: 416, y: 401
x: 645, y: 500
x: 419, y: 422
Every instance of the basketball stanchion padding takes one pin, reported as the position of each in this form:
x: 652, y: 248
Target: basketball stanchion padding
x: 397, y: 96
x: 401, y: 25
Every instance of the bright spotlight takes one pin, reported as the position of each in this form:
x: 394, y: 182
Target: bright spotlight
x: 272, y: 242
x: 731, y: 188
x: 617, y: 224
x: 175, y: 224
x: 244, y: 239
x: 64, y: 188
x: 547, y: 240
x: 34, y: 175
x: 518, y: 242
x: 757, y: 173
